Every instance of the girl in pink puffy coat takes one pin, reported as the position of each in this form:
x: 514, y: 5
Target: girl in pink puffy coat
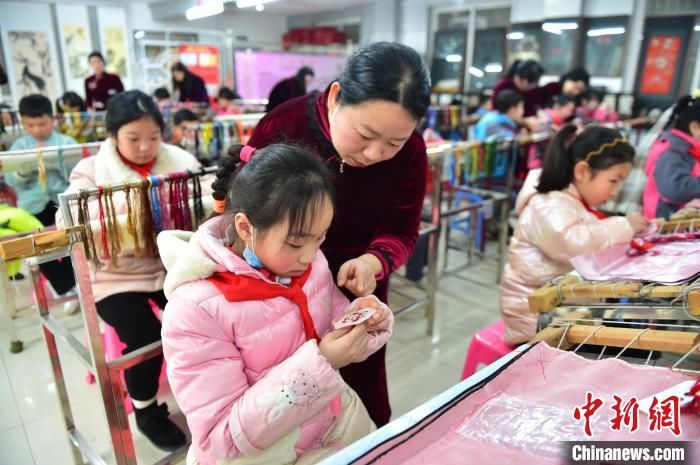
x: 558, y: 219
x: 251, y: 352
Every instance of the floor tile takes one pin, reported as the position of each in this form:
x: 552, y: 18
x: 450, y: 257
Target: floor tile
x: 14, y: 447
x: 10, y: 416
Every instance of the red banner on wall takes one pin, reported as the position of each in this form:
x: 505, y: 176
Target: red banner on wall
x: 202, y: 60
x: 660, y: 65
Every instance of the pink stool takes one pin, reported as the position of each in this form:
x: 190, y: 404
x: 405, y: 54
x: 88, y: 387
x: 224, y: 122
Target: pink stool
x: 113, y: 347
x: 486, y: 347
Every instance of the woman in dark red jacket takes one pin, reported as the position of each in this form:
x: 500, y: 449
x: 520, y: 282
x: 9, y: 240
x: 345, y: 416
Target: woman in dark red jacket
x: 101, y: 86
x: 290, y: 88
x: 524, y: 77
x: 363, y: 127
x: 187, y: 86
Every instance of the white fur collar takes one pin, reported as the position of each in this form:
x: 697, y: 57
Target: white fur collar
x: 183, y: 258
x: 111, y: 169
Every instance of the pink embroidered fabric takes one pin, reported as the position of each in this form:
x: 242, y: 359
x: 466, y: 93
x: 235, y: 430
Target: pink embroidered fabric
x: 522, y: 414
x: 664, y: 263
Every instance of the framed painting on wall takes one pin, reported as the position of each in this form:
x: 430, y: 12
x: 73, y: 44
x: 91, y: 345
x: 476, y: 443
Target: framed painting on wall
x: 662, y: 61
x: 31, y: 60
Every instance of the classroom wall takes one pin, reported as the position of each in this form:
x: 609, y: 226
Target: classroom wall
x: 379, y: 20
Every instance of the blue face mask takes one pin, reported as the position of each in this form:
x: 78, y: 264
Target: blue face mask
x: 252, y: 259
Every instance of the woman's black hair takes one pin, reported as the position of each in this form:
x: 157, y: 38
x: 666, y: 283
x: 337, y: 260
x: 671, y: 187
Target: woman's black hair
x: 281, y: 181
x: 186, y: 82
x: 685, y: 111
x: 96, y: 54
x: 576, y: 74
x: 529, y: 70
x: 601, y: 147
x: 387, y: 71
x: 300, y: 77
x: 70, y: 99
x: 130, y: 106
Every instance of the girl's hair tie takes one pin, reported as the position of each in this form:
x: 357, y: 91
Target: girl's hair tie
x: 246, y: 152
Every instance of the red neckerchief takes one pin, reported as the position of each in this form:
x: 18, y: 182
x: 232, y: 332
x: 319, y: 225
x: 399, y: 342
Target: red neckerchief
x: 143, y: 170
x: 237, y: 288
x: 598, y: 214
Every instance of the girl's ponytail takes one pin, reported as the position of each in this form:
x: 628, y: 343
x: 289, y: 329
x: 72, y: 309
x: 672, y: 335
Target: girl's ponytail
x: 600, y: 147
x: 558, y: 163
x: 228, y: 168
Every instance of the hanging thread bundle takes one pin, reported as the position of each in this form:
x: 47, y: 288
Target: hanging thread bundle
x: 84, y: 219
x: 151, y: 207
x: 147, y: 223
x: 197, y: 200
x: 131, y: 222
x: 113, y: 229
x: 41, y: 167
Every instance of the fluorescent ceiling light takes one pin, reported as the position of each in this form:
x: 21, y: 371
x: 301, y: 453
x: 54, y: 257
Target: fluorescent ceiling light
x: 249, y: 3
x: 515, y: 35
x: 259, y: 7
x: 209, y: 8
x: 139, y: 34
x: 454, y: 58
x: 697, y: 27
x: 493, y: 68
x: 606, y: 31
x: 556, y: 28
x: 476, y: 72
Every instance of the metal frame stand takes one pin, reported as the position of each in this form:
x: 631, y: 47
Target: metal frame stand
x: 9, y: 310
x: 432, y: 230
x: 107, y: 374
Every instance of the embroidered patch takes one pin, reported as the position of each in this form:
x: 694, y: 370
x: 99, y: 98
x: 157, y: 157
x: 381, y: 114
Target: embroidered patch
x: 300, y: 391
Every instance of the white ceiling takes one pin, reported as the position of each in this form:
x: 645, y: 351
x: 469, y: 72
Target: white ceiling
x: 300, y: 7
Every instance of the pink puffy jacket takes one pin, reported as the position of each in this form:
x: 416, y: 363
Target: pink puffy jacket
x: 243, y: 372
x: 552, y: 228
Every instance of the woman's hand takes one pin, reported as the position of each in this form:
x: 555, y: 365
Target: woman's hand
x: 638, y: 222
x: 358, y: 275
x: 342, y: 347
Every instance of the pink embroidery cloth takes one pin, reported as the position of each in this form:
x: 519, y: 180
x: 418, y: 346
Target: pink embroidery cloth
x: 669, y: 263
x: 521, y: 415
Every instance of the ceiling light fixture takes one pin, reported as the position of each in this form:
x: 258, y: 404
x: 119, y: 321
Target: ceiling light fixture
x: 606, y: 31
x: 208, y: 8
x: 557, y: 28
x: 515, y: 35
x: 476, y: 72
x: 249, y: 3
x: 259, y: 7
x: 453, y: 58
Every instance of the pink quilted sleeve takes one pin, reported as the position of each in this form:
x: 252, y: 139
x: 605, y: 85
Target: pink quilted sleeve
x: 227, y: 416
